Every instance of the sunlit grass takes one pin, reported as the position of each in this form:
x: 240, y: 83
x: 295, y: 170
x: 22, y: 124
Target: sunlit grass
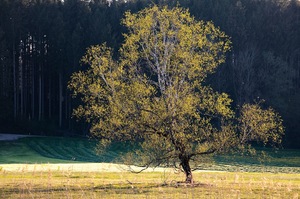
x: 278, y: 176
x: 71, y: 150
x: 69, y: 184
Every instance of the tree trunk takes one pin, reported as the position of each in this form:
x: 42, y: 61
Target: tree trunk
x: 60, y: 99
x: 14, y: 75
x: 49, y: 98
x: 185, y: 163
x: 21, y: 86
x: 32, y: 74
x: 40, y: 93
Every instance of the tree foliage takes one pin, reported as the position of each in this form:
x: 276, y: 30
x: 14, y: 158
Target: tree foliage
x: 156, y: 95
x: 263, y: 61
x: 262, y: 125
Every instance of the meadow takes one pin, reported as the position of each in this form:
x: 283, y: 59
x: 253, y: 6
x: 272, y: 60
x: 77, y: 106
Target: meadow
x: 68, y: 184
x: 225, y: 177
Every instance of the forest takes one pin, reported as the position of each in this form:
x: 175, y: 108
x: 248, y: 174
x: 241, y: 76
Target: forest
x: 42, y: 42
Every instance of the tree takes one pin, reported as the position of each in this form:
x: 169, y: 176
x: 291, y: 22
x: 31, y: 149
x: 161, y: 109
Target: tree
x: 257, y: 124
x: 156, y: 95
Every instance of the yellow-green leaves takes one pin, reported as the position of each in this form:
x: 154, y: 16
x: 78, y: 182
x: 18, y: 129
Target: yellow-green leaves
x: 172, y: 45
x: 154, y: 94
x: 257, y: 124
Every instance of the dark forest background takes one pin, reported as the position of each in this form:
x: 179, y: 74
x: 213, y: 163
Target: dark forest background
x: 42, y: 41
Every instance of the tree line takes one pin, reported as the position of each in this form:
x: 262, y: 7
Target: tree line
x: 42, y: 42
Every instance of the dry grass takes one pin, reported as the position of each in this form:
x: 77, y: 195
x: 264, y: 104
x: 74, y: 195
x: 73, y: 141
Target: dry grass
x: 74, y: 184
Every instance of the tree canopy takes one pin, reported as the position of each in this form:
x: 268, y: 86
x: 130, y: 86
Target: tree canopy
x: 155, y: 93
x: 41, y: 43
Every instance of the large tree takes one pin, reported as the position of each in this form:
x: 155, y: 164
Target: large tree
x: 156, y: 95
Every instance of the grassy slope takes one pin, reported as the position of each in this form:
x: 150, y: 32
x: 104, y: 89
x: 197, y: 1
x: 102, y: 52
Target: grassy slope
x: 54, y: 150
x: 72, y: 150
x: 20, y: 152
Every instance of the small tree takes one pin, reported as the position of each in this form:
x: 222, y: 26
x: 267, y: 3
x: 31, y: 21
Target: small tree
x: 155, y: 94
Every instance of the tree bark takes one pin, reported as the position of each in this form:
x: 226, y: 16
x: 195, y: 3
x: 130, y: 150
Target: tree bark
x: 40, y: 92
x: 60, y: 98
x: 49, y: 98
x: 14, y: 69
x: 185, y: 164
x: 32, y: 75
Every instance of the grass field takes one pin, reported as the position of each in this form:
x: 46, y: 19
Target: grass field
x: 278, y: 176
x: 54, y: 150
x: 71, y: 150
x: 147, y: 185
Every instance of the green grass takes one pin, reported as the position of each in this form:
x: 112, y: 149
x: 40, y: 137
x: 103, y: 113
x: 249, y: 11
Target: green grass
x: 20, y: 152
x: 147, y: 185
x: 81, y: 150
x: 276, y: 161
x: 278, y: 176
x: 32, y: 150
